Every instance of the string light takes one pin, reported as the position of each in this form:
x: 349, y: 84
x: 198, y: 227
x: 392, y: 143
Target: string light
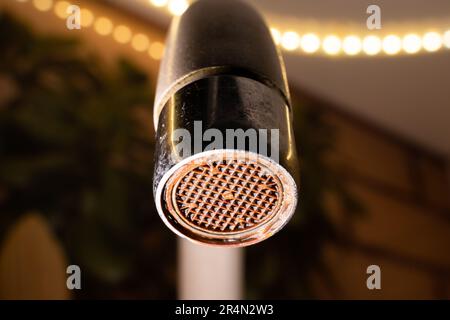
x: 352, y: 45
x: 43, y: 5
x: 276, y: 34
x: 122, y: 34
x: 432, y: 41
x: 411, y: 43
x: 331, y: 45
x: 392, y: 44
x: 159, y: 3
x: 290, y: 40
x: 86, y: 18
x: 156, y: 50
x: 446, y: 39
x: 178, y: 7
x: 103, y: 26
x: 309, y: 43
x: 371, y: 45
x: 140, y: 42
x: 61, y: 9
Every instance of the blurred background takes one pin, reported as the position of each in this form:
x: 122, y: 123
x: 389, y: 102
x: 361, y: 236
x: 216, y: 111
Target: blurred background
x: 371, y: 114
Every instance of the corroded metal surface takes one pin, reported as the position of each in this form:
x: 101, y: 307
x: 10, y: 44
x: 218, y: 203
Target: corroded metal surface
x: 226, y: 196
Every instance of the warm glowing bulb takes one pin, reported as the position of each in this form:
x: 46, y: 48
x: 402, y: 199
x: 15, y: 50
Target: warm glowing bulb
x: 276, y: 35
x: 432, y: 41
x: 331, y: 45
x: 159, y: 3
x: 86, y: 18
x: 392, y: 44
x: 140, y: 42
x: 156, y: 50
x: 61, y: 9
x: 447, y: 39
x: 352, y: 45
x: 371, y: 45
x: 122, y: 34
x: 310, y: 43
x: 103, y: 26
x: 178, y: 7
x: 43, y: 5
x: 412, y: 43
x: 290, y: 40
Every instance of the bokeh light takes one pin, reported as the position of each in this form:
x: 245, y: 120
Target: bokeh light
x: 122, y: 34
x: 159, y: 3
x: 331, y: 45
x: 61, y: 9
x: 140, y: 42
x: 352, y: 45
x: 432, y: 41
x: 87, y: 18
x: 411, y: 43
x: 276, y: 35
x: 290, y: 40
x: 392, y: 44
x: 446, y: 39
x: 371, y: 45
x: 103, y: 26
x: 43, y: 5
x: 310, y: 43
x: 156, y: 50
x: 178, y: 7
